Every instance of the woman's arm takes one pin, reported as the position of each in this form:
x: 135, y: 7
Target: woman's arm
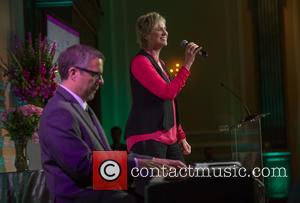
x: 146, y: 74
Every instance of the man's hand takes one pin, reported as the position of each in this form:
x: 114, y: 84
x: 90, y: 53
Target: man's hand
x: 185, y: 147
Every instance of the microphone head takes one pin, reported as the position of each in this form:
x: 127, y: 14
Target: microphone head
x: 201, y: 52
x: 184, y: 43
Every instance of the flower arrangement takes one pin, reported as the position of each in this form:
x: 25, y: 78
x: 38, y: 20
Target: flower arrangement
x: 30, y: 70
x: 31, y: 74
x: 21, y: 122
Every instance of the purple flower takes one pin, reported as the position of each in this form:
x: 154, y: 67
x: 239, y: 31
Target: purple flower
x: 30, y: 69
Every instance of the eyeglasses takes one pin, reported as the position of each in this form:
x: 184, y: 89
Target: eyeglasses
x: 94, y: 74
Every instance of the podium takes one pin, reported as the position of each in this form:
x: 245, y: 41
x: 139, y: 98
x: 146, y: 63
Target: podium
x: 246, y: 148
x: 246, y: 142
x: 246, y: 151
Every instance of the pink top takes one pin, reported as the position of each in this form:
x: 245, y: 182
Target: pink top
x: 145, y: 73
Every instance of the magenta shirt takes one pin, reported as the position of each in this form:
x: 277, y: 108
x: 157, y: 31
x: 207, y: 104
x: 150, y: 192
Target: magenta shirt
x: 145, y: 73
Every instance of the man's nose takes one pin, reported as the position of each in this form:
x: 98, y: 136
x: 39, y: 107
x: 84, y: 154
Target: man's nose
x: 100, y: 81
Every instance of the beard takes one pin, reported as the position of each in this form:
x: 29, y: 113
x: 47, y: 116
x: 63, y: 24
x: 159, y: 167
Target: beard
x: 91, y: 95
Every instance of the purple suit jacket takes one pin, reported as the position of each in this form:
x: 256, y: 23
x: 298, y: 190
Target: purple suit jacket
x: 68, y: 135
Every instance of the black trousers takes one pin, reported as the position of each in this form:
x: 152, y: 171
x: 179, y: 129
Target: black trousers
x: 158, y: 149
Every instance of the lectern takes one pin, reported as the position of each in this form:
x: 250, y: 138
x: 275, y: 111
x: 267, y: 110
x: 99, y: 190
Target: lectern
x: 246, y: 148
x: 246, y: 151
x: 246, y: 142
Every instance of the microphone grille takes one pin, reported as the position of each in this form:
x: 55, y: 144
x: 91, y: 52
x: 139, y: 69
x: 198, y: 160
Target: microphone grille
x: 184, y: 43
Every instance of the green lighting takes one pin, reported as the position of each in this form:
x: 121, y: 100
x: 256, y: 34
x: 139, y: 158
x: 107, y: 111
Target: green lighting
x: 274, y: 154
x: 278, y: 183
x: 53, y: 3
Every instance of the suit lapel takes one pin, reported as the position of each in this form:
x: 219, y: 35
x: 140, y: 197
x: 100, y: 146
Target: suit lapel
x: 99, y: 128
x: 94, y: 136
x: 83, y: 116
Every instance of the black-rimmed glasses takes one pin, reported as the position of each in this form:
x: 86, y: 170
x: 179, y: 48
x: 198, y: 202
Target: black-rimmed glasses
x: 94, y: 74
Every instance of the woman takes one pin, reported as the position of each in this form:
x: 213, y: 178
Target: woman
x: 153, y: 127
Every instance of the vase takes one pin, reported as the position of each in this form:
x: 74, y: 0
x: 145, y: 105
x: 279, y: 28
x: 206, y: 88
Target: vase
x: 21, y: 155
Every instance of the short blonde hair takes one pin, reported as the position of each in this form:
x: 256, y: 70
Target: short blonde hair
x: 145, y: 24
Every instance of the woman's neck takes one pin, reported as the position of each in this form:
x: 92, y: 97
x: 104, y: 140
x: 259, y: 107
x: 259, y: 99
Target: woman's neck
x: 153, y: 52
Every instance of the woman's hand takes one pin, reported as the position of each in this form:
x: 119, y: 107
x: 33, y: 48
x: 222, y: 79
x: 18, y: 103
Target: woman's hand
x: 185, y: 147
x: 191, y: 50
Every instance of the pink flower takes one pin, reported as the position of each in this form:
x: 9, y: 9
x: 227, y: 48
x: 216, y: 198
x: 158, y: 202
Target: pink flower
x: 22, y: 121
x: 25, y: 110
x: 43, y: 69
x: 29, y: 110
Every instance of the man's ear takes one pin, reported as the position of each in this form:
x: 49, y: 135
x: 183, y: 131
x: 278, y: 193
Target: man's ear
x: 72, y: 73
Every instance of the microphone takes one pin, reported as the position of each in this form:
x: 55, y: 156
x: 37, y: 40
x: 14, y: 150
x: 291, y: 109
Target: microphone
x: 249, y: 115
x: 201, y: 52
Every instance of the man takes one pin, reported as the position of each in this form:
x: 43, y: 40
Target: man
x: 69, y: 131
x: 116, y: 133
